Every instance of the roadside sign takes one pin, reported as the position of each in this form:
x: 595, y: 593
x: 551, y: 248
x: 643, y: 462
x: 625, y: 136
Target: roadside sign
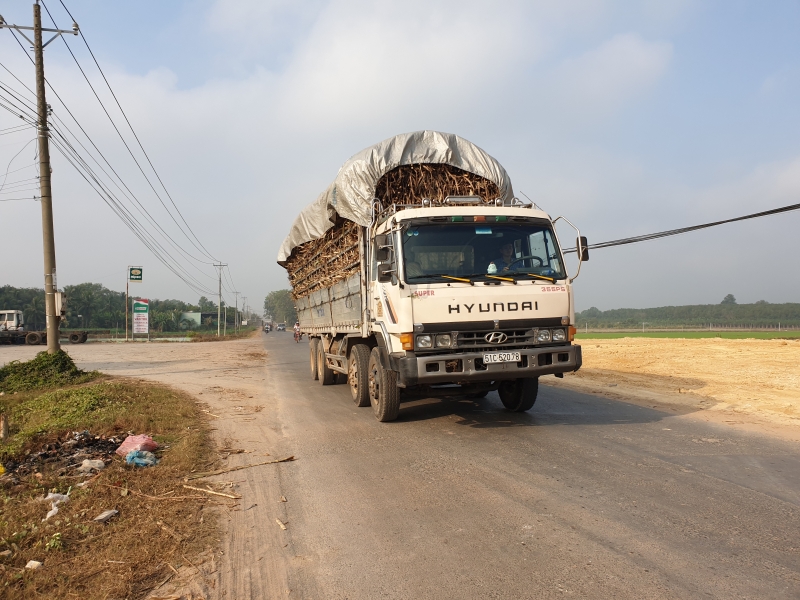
x: 141, y: 316
x: 134, y: 273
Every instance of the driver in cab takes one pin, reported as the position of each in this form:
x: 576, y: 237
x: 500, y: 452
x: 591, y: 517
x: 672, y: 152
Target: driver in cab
x: 505, y: 260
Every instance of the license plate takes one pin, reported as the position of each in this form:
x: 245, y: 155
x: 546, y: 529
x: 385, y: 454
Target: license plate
x: 501, y: 357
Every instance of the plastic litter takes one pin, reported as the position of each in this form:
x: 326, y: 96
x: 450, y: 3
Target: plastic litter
x: 106, y: 515
x: 141, y: 458
x: 55, y: 500
x: 33, y: 565
x: 91, y: 465
x: 137, y: 442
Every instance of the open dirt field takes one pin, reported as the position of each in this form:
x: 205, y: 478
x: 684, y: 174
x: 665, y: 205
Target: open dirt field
x: 743, y: 378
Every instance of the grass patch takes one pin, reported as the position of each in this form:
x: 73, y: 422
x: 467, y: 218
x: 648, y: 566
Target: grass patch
x: 131, y: 554
x: 43, y: 371
x: 692, y: 335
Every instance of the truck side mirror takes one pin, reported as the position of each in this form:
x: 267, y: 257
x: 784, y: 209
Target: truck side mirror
x: 583, y: 248
x: 386, y: 273
x: 383, y: 248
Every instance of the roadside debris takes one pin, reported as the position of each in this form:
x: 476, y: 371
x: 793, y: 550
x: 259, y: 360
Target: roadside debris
x: 62, y: 455
x: 221, y: 471
x: 33, y: 565
x: 141, y: 458
x: 106, y: 515
x: 197, y: 489
x: 55, y: 500
x: 90, y: 465
x: 137, y: 442
x: 281, y: 524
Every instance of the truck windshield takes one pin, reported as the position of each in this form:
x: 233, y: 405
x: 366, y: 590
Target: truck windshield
x: 477, y: 250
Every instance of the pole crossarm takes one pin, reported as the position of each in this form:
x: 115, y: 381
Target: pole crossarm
x: 19, y: 28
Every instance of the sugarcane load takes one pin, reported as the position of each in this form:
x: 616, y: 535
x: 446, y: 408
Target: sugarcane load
x: 418, y: 273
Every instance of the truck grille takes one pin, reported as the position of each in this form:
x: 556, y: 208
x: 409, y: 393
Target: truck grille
x: 476, y: 340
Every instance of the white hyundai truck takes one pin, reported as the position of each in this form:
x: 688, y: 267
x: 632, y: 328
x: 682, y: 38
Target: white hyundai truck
x: 409, y: 287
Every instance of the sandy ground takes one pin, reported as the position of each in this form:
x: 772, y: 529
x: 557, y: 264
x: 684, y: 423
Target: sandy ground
x: 748, y: 382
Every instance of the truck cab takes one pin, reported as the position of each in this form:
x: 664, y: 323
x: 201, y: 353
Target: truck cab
x: 471, y: 295
x: 12, y: 320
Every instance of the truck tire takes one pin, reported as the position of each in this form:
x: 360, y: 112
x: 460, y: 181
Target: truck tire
x: 358, y: 374
x: 84, y: 336
x: 75, y: 338
x: 519, y: 395
x: 313, y: 349
x: 33, y: 338
x: 384, y: 394
x: 326, y: 375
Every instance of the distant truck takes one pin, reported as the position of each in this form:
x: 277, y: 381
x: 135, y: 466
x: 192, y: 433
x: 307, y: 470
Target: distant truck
x: 418, y: 273
x: 13, y: 331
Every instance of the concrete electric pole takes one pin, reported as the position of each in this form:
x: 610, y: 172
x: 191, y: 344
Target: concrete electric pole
x: 236, y: 325
x: 220, y: 266
x: 43, y: 132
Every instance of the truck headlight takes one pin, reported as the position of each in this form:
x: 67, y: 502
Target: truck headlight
x: 543, y: 336
x: 444, y: 340
x: 559, y: 335
x: 424, y: 341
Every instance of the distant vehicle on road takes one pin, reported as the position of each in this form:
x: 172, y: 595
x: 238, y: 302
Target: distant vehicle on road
x: 267, y: 328
x: 281, y: 327
x: 13, y: 331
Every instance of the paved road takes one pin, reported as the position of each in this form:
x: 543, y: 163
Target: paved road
x: 583, y: 497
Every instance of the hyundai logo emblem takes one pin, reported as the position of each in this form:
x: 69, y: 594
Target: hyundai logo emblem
x: 496, y: 337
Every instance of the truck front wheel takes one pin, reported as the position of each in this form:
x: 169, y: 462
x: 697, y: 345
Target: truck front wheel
x: 33, y: 338
x: 519, y: 395
x: 313, y: 349
x: 357, y: 374
x: 384, y: 394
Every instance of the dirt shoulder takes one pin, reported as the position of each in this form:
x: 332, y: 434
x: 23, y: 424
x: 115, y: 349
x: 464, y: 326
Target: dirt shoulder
x: 750, y: 383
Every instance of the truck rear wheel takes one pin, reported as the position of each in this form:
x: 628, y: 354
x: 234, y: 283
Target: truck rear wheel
x: 326, y: 375
x: 313, y: 349
x: 384, y: 394
x: 519, y: 395
x: 357, y: 374
x: 33, y: 338
x: 75, y: 338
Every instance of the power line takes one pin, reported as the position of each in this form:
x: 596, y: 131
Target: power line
x: 661, y: 234
x: 201, y: 247
x: 136, y: 227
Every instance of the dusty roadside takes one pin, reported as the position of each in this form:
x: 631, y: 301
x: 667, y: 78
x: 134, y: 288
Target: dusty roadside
x: 753, y: 384
x: 230, y: 380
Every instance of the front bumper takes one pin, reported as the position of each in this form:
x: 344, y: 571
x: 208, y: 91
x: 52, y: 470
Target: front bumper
x: 467, y: 367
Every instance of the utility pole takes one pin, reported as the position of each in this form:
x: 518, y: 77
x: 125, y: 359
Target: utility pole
x: 220, y: 266
x: 236, y: 326
x: 43, y: 132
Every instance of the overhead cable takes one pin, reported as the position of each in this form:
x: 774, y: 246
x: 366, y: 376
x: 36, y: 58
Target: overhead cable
x: 200, y: 247
x: 661, y: 234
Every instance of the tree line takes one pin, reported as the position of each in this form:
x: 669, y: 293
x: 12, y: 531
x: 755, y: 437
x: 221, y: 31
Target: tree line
x: 94, y: 306
x: 727, y: 313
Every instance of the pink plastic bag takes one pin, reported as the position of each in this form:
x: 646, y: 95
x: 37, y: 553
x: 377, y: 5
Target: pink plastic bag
x: 137, y: 442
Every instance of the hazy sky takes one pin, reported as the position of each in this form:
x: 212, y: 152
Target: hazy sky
x: 626, y: 117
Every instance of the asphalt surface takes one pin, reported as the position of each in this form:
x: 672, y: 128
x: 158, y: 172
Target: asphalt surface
x: 582, y: 497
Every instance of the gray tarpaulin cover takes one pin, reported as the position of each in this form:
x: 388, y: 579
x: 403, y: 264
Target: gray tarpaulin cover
x: 351, y: 193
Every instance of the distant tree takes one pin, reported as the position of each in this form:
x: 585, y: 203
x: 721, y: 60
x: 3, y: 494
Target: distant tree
x: 34, y: 312
x: 729, y: 299
x: 761, y: 302
x: 280, y: 306
x: 206, y: 305
x: 591, y: 313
